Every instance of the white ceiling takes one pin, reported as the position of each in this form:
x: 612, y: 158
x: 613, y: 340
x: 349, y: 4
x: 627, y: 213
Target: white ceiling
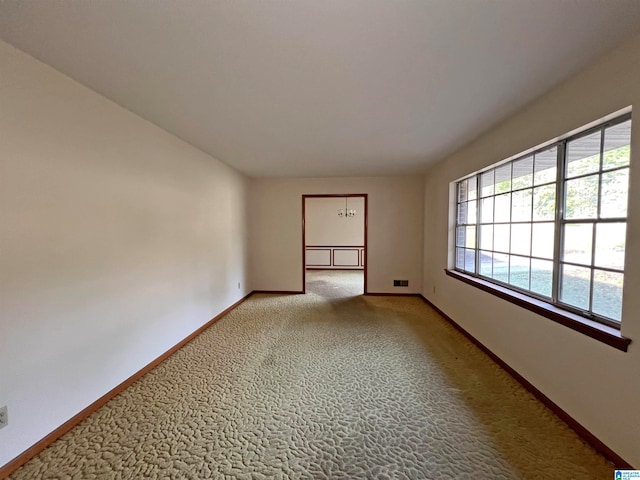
x: 320, y: 87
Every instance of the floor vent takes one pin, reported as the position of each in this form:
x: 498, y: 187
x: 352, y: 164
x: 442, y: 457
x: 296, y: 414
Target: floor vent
x: 401, y: 283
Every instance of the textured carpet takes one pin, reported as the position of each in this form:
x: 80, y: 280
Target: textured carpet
x: 335, y: 283
x: 320, y: 386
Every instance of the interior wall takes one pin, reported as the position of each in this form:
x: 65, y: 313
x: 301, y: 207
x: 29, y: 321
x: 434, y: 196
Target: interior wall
x: 394, y: 230
x: 325, y: 227
x: 118, y: 240
x: 596, y: 384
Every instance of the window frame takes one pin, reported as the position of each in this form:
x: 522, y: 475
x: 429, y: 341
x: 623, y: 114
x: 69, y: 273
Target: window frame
x: 556, y: 305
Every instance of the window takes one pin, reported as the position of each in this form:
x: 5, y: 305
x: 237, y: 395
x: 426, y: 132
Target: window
x: 552, y: 224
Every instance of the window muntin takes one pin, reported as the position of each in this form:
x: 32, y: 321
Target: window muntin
x: 511, y: 229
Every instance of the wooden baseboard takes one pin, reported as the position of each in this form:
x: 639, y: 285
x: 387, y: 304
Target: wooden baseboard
x: 334, y: 269
x: 32, y: 451
x: 385, y: 294
x: 279, y: 292
x: 589, y: 437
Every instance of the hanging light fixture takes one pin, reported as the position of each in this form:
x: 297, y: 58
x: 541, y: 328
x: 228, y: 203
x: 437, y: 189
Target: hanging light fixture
x: 346, y: 211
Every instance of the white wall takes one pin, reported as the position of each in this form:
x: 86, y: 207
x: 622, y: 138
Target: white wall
x: 117, y: 241
x: 596, y: 384
x: 325, y: 227
x: 395, y: 229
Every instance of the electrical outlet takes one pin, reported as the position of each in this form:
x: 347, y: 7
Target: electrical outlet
x: 434, y: 289
x: 4, y: 417
x: 238, y: 285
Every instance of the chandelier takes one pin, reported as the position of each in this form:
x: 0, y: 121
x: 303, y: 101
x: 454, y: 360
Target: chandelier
x: 346, y: 212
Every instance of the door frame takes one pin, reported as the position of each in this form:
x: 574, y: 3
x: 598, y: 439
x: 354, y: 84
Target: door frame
x: 304, y: 240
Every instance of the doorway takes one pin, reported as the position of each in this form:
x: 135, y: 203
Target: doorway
x: 334, y: 244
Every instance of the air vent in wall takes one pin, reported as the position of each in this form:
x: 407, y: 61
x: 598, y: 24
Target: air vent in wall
x: 401, y: 283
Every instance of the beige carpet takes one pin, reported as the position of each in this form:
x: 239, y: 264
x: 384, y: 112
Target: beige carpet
x: 320, y: 386
x: 335, y: 283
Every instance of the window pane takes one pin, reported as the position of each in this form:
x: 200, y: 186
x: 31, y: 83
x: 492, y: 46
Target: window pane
x: 486, y: 182
x: 522, y: 173
x: 542, y: 240
x: 486, y: 263
x: 509, y: 226
x: 462, y: 191
x: 503, y: 178
x: 486, y: 237
x: 501, y: 238
x: 460, y: 236
x: 463, y: 216
x: 541, y: 277
x: 615, y: 186
x: 574, y: 286
x: 521, y: 238
x: 470, y: 260
x: 521, y: 206
x: 610, y: 245
x: 486, y: 210
x: 472, y: 212
x: 470, y: 241
x: 501, y: 267
x: 519, y: 272
x: 544, y: 202
x: 577, y: 243
x: 472, y: 188
x: 545, y: 169
x: 616, y: 145
x: 460, y: 258
x: 582, y: 198
x: 607, y: 294
x: 502, y: 208
x: 583, y: 155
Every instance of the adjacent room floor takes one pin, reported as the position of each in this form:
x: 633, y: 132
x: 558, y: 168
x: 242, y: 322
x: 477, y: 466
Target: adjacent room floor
x: 324, y: 386
x: 335, y: 283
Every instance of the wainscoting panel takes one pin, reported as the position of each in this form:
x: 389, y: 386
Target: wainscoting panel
x: 319, y: 257
x: 343, y: 257
x: 335, y: 256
